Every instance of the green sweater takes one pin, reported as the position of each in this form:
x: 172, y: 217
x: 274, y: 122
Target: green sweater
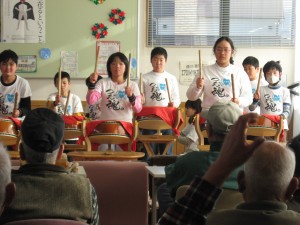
x: 183, y: 171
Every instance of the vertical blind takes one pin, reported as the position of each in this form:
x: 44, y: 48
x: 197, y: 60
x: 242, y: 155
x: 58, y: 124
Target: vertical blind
x: 200, y: 22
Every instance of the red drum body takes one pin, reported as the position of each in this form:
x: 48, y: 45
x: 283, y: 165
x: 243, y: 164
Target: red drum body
x: 109, y: 132
x: 8, y: 132
x: 109, y: 128
x: 264, y: 122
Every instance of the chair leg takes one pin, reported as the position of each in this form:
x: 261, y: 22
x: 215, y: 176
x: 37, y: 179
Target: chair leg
x: 149, y: 149
x: 167, y: 148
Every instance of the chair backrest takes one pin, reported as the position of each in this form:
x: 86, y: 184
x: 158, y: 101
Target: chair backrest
x: 76, y: 131
x: 265, y: 127
x: 156, y: 123
x: 46, y: 222
x: 122, y: 191
x: 162, y: 160
x: 111, y: 132
x: 202, y: 135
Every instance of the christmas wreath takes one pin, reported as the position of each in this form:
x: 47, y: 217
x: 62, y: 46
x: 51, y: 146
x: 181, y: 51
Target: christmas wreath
x: 98, y: 1
x: 116, y: 16
x: 99, y: 30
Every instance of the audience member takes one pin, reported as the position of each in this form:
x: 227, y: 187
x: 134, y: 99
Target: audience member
x: 294, y: 145
x: 45, y: 190
x: 199, y: 199
x: 220, y: 117
x: 7, y: 188
x: 267, y: 183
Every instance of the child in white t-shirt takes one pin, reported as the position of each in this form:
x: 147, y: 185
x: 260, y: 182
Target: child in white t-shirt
x: 60, y: 104
x: 251, y: 67
x: 273, y: 99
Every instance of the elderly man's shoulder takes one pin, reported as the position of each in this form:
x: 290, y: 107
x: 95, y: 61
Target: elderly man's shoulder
x: 274, y: 213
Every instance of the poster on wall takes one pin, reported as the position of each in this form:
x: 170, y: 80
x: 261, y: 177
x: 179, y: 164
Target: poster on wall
x: 23, y: 21
x: 106, y: 48
x: 188, y: 71
x: 27, y: 64
x: 69, y: 62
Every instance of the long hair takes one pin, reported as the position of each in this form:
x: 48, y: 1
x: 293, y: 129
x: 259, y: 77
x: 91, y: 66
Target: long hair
x: 194, y: 105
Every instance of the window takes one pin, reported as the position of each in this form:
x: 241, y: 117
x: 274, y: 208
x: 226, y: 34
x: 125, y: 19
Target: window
x: 201, y: 22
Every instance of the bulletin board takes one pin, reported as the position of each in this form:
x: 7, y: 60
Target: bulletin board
x: 68, y: 26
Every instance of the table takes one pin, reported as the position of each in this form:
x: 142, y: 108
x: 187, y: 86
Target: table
x: 155, y: 172
x: 106, y: 155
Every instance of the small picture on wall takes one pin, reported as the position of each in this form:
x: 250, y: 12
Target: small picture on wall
x: 27, y: 64
x: 106, y: 48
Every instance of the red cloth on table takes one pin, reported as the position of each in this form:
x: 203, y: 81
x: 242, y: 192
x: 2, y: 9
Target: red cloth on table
x: 167, y: 114
x: 90, y: 126
x: 276, y: 119
x: 16, y: 121
x: 73, y: 119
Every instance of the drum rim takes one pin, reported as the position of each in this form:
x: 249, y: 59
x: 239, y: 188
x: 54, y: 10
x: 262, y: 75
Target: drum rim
x: 8, y: 134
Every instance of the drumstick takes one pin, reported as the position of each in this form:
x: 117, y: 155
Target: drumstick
x: 96, y: 61
x: 16, y: 101
x: 141, y: 83
x: 200, y: 65
x: 232, y: 85
x: 129, y: 68
x: 59, y: 82
x: 258, y: 82
x: 66, y: 106
x: 168, y: 90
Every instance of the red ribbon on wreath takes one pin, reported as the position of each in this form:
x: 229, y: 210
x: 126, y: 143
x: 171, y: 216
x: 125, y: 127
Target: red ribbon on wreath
x: 116, y: 16
x: 99, y: 30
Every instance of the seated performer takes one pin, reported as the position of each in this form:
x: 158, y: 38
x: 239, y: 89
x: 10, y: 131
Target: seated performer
x: 66, y: 103
x: 15, y: 91
x: 117, y: 100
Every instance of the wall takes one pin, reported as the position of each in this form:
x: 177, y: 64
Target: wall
x: 177, y: 54
x: 68, y: 27
x: 42, y: 87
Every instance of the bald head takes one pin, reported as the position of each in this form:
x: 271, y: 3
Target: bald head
x: 268, y: 173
